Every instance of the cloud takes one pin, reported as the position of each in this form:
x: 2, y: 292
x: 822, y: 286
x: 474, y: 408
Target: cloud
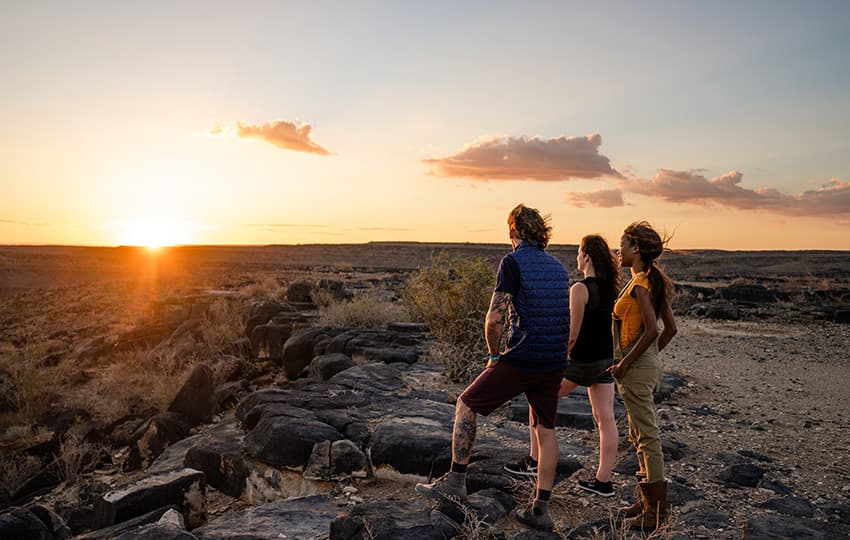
x: 24, y: 223
x: 285, y: 225
x: 601, y: 198
x: 386, y: 229
x: 691, y: 187
x: 283, y: 134
x: 521, y: 158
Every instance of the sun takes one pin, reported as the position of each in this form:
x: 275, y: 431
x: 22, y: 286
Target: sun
x: 153, y: 233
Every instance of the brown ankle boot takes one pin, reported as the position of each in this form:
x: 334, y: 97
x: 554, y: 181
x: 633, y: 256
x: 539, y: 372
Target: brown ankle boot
x: 655, y: 507
x: 634, y: 509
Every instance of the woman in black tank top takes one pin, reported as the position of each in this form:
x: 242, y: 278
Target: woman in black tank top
x: 590, y: 354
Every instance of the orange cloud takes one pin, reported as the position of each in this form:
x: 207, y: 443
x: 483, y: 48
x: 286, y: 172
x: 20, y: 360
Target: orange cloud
x: 831, y: 199
x: 601, y: 198
x: 280, y: 133
x: 521, y: 158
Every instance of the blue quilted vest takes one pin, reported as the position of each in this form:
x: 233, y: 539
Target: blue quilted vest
x: 540, y: 314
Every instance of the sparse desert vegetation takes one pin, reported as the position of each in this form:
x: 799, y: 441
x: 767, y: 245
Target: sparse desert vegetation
x: 95, y: 359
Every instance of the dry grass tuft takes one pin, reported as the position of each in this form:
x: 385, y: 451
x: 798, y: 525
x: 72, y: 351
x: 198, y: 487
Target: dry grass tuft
x: 224, y: 324
x: 363, y: 311
x: 15, y: 470
x: 77, y: 456
x: 269, y: 287
x: 26, y: 378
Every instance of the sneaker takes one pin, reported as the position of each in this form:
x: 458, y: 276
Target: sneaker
x: 523, y: 468
x: 605, y: 489
x: 536, y: 516
x: 451, y: 486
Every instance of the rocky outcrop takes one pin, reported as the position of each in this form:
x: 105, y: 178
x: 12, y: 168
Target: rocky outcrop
x: 196, y: 400
x: 183, y: 488
x: 307, y: 518
x: 325, y: 366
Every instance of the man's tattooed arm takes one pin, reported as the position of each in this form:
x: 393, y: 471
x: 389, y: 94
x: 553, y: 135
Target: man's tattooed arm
x: 495, y: 320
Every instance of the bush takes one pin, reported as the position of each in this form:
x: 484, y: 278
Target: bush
x: 363, y: 311
x: 452, y: 295
x: 77, y: 456
x: 16, y: 470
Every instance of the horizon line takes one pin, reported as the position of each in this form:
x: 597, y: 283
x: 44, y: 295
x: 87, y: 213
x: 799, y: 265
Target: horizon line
x: 379, y: 242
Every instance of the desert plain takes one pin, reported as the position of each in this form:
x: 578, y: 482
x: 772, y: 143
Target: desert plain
x: 95, y: 342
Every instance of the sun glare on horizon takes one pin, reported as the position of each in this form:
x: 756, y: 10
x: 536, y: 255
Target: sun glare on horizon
x: 153, y: 233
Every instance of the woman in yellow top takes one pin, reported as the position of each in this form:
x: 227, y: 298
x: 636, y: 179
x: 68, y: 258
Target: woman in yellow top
x: 637, y: 340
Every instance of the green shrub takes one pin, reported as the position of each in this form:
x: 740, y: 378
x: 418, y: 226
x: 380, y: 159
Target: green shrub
x: 363, y: 311
x: 452, y: 295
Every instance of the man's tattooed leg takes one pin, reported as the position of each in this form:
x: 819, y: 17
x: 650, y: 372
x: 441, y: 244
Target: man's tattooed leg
x: 463, y: 436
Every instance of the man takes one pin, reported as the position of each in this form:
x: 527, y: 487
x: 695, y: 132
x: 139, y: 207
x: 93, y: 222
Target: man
x: 533, y: 287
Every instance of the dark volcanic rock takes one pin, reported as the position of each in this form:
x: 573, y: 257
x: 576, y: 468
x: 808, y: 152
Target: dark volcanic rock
x: 336, y: 461
x: 370, y: 378
x: 287, y: 441
x: 791, y: 506
x: 782, y: 527
x: 776, y: 486
x: 218, y: 454
x: 273, y: 409
x: 269, y: 338
x: 483, y: 505
x: 196, y: 399
x: 385, y: 520
x: 227, y: 394
x: 670, y: 382
x: 838, y: 512
x: 411, y: 445
x: 582, y: 532
x: 52, y: 521
x: 307, y: 518
x: 673, y: 450
x: 298, y: 351
x: 156, y: 531
x: 723, y: 311
x: 300, y: 291
x: 151, y: 493
x: 325, y: 366
x: 679, y: 494
x: 710, y: 519
x: 742, y: 475
x: 154, y: 436
x: 115, y: 530
x: 755, y: 294
x: 20, y: 523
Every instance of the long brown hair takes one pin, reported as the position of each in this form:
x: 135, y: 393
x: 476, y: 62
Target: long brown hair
x: 650, y: 246
x: 604, y: 264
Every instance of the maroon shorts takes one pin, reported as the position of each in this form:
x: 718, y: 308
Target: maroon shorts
x: 500, y: 383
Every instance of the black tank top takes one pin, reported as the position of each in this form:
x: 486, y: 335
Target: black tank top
x: 594, y: 338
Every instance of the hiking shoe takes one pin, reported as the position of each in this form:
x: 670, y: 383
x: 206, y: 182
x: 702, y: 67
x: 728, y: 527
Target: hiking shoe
x: 536, y: 516
x: 604, y: 489
x: 451, y: 486
x: 524, y: 468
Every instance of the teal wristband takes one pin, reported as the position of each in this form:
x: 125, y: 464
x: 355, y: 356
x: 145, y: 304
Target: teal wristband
x: 495, y: 358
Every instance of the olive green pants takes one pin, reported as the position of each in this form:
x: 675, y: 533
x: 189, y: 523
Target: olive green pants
x: 637, y: 388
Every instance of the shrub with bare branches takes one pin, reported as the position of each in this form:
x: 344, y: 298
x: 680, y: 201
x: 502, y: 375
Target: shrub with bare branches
x: 452, y: 295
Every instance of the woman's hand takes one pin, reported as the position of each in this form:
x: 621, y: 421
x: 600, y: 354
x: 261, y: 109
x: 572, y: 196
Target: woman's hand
x: 618, y: 370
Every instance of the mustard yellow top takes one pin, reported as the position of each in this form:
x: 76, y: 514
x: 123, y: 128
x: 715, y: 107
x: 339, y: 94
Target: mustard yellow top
x: 627, y: 310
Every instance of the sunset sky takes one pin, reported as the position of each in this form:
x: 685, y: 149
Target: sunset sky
x: 338, y: 122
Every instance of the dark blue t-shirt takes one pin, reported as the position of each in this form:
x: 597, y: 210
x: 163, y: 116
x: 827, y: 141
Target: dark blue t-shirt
x: 507, y: 280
